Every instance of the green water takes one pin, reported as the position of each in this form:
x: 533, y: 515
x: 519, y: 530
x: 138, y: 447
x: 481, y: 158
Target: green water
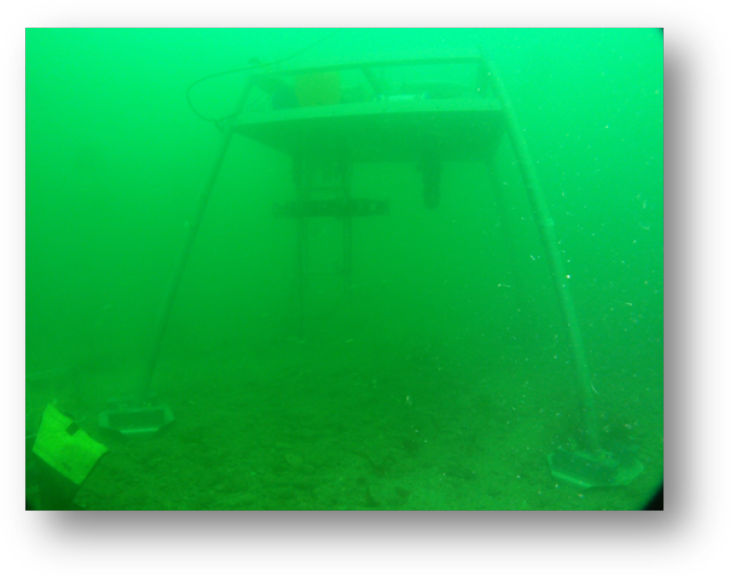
x: 444, y: 381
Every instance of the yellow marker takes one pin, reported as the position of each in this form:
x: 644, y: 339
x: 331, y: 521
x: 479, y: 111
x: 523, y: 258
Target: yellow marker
x: 65, y: 447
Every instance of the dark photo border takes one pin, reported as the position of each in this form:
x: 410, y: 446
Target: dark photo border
x: 685, y: 520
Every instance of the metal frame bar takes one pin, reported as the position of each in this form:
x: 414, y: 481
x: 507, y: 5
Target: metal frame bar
x: 548, y: 236
x: 544, y: 221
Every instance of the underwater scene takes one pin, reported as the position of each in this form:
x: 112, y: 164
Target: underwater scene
x: 344, y: 269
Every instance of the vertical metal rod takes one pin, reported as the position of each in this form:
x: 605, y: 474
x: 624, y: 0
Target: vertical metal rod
x: 546, y: 227
x: 346, y: 229
x: 298, y: 173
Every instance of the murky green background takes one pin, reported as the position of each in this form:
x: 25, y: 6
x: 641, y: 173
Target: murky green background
x: 445, y: 384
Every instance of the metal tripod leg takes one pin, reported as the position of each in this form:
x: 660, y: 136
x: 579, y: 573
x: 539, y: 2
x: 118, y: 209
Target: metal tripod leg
x: 143, y: 415
x: 592, y: 466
